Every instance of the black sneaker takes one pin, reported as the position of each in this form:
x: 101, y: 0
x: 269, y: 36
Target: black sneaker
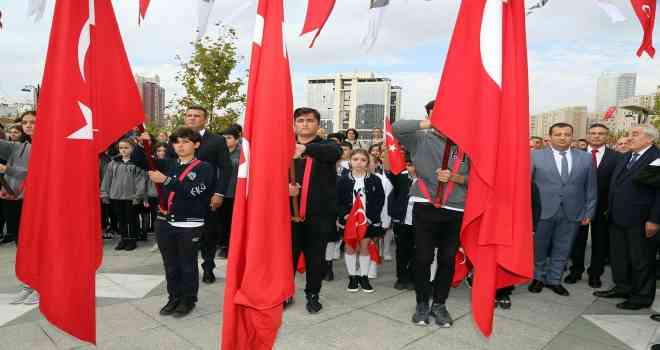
x: 441, y: 315
x: 288, y: 302
x: 130, y: 245
x: 7, y: 239
x: 421, y: 315
x: 353, y: 285
x: 208, y: 277
x: 169, y: 308
x: 121, y: 245
x: 313, y: 306
x: 410, y: 286
x: 398, y: 285
x: 503, y: 301
x: 365, y: 285
x: 184, y: 308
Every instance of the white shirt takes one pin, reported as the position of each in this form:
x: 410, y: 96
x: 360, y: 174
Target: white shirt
x: 359, y: 188
x: 569, y: 159
x: 599, y: 154
x: 202, y: 132
x: 641, y: 153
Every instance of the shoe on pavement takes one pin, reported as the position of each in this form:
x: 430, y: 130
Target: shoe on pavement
x: 121, y: 245
x: 131, y: 244
x: 441, y: 315
x: 184, y: 308
x: 365, y: 285
x: 32, y: 299
x: 503, y: 301
x: 208, y: 277
x: 353, y: 284
x: 628, y: 305
x: 558, y: 289
x: 421, y: 315
x: 169, y: 308
x: 313, y: 306
x: 154, y: 248
x: 535, y: 287
x: 398, y: 285
x: 594, y: 282
x: 613, y: 293
x: 572, y: 278
x: 22, y: 296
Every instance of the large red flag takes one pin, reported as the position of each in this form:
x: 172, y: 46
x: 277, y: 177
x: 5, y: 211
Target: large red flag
x: 394, y: 152
x: 483, y: 106
x: 356, y: 224
x: 645, y: 10
x: 144, y: 5
x: 88, y: 99
x: 318, y: 12
x: 259, y: 271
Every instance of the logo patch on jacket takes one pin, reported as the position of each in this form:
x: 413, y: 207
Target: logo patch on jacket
x: 192, y: 175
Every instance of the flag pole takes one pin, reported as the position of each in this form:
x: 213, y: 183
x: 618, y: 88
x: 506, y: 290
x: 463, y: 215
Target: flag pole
x: 294, y: 199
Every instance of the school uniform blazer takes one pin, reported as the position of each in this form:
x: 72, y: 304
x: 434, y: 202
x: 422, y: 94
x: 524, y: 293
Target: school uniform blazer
x: 373, y: 191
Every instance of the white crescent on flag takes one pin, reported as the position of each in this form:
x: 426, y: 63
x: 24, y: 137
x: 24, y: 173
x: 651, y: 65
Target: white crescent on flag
x: 491, y: 40
x: 84, y: 43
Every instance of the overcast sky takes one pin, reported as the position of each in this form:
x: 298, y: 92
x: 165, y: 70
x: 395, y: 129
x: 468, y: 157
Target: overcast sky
x: 570, y: 44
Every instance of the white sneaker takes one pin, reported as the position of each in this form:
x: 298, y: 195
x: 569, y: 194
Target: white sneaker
x: 33, y: 299
x: 22, y: 296
x: 154, y: 248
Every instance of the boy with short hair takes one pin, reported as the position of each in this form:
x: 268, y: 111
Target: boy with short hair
x: 186, y: 188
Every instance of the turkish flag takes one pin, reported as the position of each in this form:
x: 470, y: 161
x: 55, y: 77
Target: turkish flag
x: 144, y: 4
x: 374, y: 254
x: 483, y: 106
x: 609, y: 113
x: 318, y: 12
x: 394, y: 152
x: 88, y: 99
x: 356, y: 224
x: 260, y: 249
x: 645, y: 10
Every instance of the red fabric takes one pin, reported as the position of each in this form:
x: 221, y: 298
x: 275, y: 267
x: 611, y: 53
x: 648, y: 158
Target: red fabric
x: 609, y: 113
x: 186, y: 171
x: 302, y: 264
x: 374, y: 254
x: 394, y: 152
x: 461, y: 268
x: 307, y: 176
x: 594, y: 159
x: 259, y: 274
x: 144, y: 4
x: 491, y: 125
x: 318, y: 12
x: 356, y: 224
x: 60, y: 249
x: 645, y: 11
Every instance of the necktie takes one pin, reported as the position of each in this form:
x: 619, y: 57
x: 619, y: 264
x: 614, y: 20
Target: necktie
x: 632, y: 161
x: 594, y: 160
x: 564, y: 167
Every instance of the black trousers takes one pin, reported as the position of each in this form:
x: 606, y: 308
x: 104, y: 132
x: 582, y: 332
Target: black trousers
x: 435, y: 228
x: 210, y: 239
x: 108, y: 218
x: 226, y: 212
x: 178, y: 247
x: 12, y: 213
x: 127, y: 224
x: 310, y: 238
x: 599, y: 238
x: 404, y: 236
x: 633, y: 262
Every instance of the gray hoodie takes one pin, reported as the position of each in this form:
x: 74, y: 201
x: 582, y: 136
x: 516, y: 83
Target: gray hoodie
x: 124, y: 181
x: 17, y: 156
x: 426, y: 148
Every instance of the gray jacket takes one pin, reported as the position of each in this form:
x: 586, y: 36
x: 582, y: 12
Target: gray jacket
x: 577, y: 197
x: 124, y: 181
x: 426, y: 148
x: 17, y: 156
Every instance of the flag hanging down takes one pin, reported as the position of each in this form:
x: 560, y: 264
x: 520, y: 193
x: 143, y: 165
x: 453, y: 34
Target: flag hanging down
x: 88, y: 99
x: 611, y: 10
x: 261, y: 231
x: 376, y: 13
x: 144, y: 4
x: 36, y: 9
x: 394, y: 152
x: 204, y: 9
x: 318, y: 12
x: 483, y: 99
x: 645, y: 10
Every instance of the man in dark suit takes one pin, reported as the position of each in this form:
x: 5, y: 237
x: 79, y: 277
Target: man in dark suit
x: 634, y: 215
x: 605, y: 161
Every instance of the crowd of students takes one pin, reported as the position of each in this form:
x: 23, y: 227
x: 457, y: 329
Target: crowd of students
x: 420, y: 209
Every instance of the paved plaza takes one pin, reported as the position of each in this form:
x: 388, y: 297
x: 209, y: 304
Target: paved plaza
x: 131, y: 290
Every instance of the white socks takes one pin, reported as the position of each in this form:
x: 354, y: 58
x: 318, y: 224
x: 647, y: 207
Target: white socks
x: 387, y: 244
x: 365, y: 261
x: 351, y: 264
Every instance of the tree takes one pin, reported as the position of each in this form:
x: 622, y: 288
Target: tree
x: 209, y: 80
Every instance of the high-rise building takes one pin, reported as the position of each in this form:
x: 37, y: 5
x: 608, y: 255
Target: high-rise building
x: 153, y: 98
x: 612, y: 88
x: 576, y: 116
x: 354, y: 100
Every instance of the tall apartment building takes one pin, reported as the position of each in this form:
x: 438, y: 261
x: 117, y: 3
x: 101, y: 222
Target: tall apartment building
x: 354, y: 100
x: 153, y: 98
x: 612, y: 88
x: 576, y: 116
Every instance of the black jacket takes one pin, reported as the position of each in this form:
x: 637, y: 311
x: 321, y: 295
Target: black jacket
x: 322, y: 193
x: 397, y: 202
x: 536, y: 206
x: 604, y: 173
x: 632, y: 203
x: 373, y: 191
x: 192, y: 195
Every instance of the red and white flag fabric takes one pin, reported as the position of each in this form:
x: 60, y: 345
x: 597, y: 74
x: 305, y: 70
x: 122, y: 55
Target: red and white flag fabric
x: 645, y: 11
x: 318, y: 12
x: 374, y: 253
x: 88, y: 99
x: 609, y: 114
x: 356, y: 224
x: 261, y: 227
x: 144, y: 5
x: 394, y: 152
x: 483, y: 99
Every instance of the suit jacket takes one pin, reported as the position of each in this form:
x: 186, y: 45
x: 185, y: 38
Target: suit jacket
x: 632, y: 203
x: 577, y: 196
x: 605, y: 170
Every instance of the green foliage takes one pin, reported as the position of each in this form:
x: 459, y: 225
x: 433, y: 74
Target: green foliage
x: 208, y: 80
